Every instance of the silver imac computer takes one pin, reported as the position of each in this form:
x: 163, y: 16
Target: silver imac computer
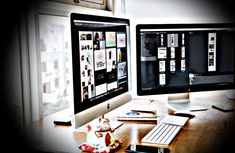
x: 100, y: 58
x: 177, y: 59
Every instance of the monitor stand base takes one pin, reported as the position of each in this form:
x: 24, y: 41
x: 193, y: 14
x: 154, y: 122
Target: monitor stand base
x: 180, y: 102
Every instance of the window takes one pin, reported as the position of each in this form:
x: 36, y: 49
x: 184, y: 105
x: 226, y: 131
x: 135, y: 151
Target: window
x: 56, y: 67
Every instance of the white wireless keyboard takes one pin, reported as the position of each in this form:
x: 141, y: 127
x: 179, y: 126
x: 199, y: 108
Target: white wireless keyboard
x: 164, y: 132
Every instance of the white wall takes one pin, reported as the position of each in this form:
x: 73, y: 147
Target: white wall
x: 177, y: 10
x: 171, y: 11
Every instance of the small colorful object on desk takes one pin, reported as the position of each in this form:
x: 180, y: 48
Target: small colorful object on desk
x: 87, y: 148
x: 101, y: 139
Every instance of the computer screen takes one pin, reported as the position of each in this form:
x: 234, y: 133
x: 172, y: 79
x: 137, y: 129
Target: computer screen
x: 176, y: 58
x: 99, y: 57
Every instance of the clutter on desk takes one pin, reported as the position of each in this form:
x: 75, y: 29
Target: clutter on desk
x: 100, y: 138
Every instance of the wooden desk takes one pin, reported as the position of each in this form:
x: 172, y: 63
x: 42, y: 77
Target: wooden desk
x: 209, y: 131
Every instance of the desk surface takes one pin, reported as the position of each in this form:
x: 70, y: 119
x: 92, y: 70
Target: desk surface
x: 209, y: 131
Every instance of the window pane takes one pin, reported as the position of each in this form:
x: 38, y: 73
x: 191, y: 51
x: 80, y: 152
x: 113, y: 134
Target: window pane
x: 55, y: 63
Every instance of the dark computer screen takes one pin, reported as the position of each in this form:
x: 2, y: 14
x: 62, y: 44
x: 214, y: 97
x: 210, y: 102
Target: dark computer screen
x: 99, y: 56
x: 174, y: 58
